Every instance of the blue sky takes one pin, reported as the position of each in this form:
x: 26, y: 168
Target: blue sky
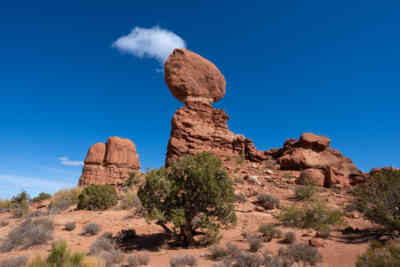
x: 331, y: 68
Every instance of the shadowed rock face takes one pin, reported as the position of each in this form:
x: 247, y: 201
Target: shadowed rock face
x: 198, y: 126
x: 110, y: 163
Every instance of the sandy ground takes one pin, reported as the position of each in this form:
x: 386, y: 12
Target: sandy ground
x: 337, y: 252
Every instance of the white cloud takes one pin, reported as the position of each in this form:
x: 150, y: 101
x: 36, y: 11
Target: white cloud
x: 67, y: 162
x: 154, y: 43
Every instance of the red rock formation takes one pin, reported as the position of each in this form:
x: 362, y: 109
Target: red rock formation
x: 312, y: 154
x: 110, y: 163
x: 198, y: 126
x: 188, y: 75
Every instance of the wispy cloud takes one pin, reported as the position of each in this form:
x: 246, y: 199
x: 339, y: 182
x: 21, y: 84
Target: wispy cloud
x: 13, y: 184
x: 67, y: 162
x: 153, y: 42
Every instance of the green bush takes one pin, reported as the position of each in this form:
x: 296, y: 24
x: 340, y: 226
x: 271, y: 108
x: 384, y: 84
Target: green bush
x: 183, y: 261
x: 289, y: 238
x: 133, y: 180
x: 64, y: 199
x: 27, y: 234
x: 19, y: 205
x: 130, y: 200
x: 61, y: 256
x: 98, y: 197
x: 313, y: 215
x: 70, y: 226
x: 267, y: 201
x: 305, y: 192
x: 41, y: 197
x: 269, y: 232
x: 91, y: 229
x: 379, y: 199
x: 5, y: 205
x: 300, y: 253
x: 194, y: 186
x: 18, y: 261
x: 138, y: 260
x: 380, y: 256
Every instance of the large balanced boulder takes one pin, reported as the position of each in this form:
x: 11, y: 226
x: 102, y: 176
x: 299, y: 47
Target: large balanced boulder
x: 190, y: 76
x: 198, y: 126
x: 110, y: 163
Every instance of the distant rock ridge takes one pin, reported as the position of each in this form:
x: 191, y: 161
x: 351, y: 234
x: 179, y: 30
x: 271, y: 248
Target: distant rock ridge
x: 110, y: 163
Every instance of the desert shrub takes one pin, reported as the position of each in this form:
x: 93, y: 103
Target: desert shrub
x: 112, y: 257
x: 4, y: 223
x: 91, y: 229
x: 183, y: 261
x: 60, y: 255
x: 380, y: 256
x: 255, y: 242
x: 194, y: 186
x: 130, y: 200
x: 240, y: 198
x: 18, y: 261
x: 289, y: 238
x: 300, y: 253
x: 305, y: 192
x: 72, y: 194
x: 238, y: 180
x: 216, y: 252
x: 91, y: 261
x: 64, y: 199
x: 138, y: 260
x: 288, y: 176
x: 41, y: 197
x: 323, y: 234
x: 246, y: 259
x: 269, y: 231
x: 97, y: 197
x: 36, y: 213
x: 313, y: 215
x: 29, y: 233
x: 101, y: 244
x: 270, y: 164
x: 5, y: 205
x: 70, y: 226
x: 19, y: 205
x: 133, y: 180
x: 105, y: 248
x: 232, y: 249
x: 379, y: 199
x: 267, y: 201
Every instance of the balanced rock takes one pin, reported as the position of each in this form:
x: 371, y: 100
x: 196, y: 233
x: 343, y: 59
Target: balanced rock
x: 198, y: 126
x: 190, y: 76
x: 110, y: 163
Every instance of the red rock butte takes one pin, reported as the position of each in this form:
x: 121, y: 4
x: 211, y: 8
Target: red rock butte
x: 110, y: 163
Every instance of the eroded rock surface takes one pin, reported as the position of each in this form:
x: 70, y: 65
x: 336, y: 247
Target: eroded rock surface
x: 110, y: 163
x: 198, y: 126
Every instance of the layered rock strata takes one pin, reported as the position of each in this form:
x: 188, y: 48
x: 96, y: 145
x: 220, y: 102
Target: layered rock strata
x: 110, y: 163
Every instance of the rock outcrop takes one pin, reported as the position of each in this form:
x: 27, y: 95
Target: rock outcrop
x: 198, y: 126
x: 312, y: 154
x: 110, y: 163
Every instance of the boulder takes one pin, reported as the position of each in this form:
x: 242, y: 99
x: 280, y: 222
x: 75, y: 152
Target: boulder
x: 189, y: 76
